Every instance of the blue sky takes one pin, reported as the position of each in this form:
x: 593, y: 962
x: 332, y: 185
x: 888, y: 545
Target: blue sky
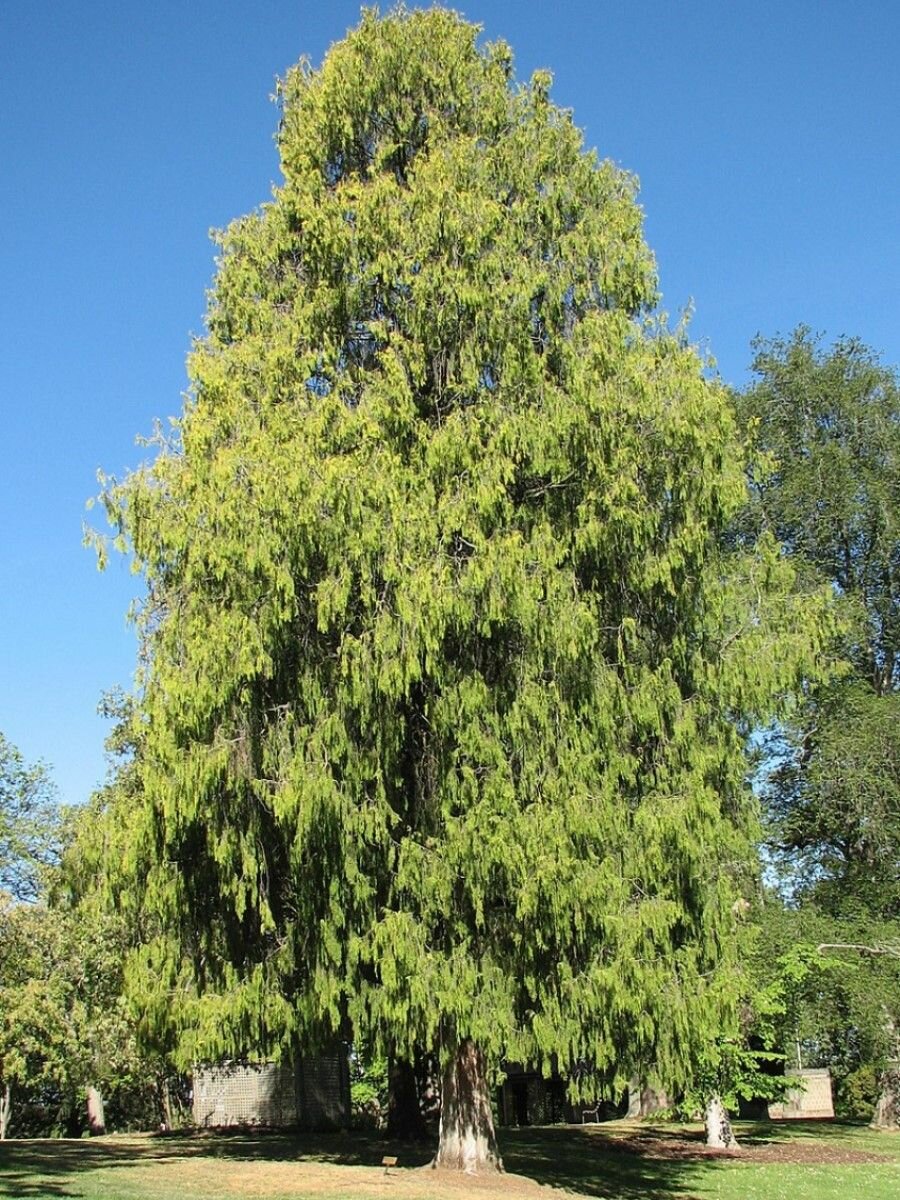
x: 766, y: 137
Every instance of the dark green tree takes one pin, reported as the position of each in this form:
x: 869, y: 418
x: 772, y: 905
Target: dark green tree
x: 447, y: 680
x: 840, y: 819
x: 826, y: 423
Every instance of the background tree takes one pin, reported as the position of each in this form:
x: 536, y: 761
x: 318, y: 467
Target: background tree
x: 447, y: 679
x: 30, y: 823
x: 827, y: 425
x: 744, y: 1062
x: 133, y: 1042
x: 65, y: 1025
x: 828, y: 422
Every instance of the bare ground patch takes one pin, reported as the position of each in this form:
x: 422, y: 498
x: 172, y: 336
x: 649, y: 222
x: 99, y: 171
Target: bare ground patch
x: 687, y: 1148
x: 657, y: 1143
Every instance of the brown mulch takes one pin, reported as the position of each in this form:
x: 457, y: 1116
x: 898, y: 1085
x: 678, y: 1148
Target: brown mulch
x: 810, y: 1152
x: 800, y: 1153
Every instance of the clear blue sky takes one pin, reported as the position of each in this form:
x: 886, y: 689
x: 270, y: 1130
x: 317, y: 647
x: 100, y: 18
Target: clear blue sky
x: 766, y: 136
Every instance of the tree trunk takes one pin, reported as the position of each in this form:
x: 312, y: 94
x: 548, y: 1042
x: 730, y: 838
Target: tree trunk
x: 5, y: 1111
x: 165, y: 1103
x: 467, y: 1141
x: 719, y: 1133
x: 96, y: 1117
x: 887, y: 1110
x: 428, y: 1082
x: 643, y: 1099
x: 404, y: 1119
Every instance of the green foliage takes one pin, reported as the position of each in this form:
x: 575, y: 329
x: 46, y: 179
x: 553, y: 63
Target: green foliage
x: 834, y: 1001
x: 64, y: 1022
x: 856, y: 1093
x: 447, y: 679
x: 731, y: 1070
x: 368, y: 1089
x: 30, y: 823
x: 837, y: 804
x: 747, y: 1060
x: 828, y: 426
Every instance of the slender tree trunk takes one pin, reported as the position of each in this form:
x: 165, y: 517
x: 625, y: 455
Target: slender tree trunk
x: 467, y: 1141
x: 404, y: 1119
x: 719, y: 1133
x: 887, y: 1110
x: 5, y: 1110
x: 165, y: 1102
x: 887, y: 1107
x: 96, y: 1116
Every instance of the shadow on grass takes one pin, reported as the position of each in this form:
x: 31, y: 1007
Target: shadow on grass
x: 627, y: 1161
x: 597, y: 1163
x: 560, y: 1157
x: 50, y: 1166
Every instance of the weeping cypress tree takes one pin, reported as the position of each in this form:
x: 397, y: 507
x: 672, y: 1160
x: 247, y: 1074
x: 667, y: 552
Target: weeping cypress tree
x: 446, y: 679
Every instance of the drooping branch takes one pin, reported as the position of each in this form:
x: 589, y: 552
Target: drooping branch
x: 891, y: 947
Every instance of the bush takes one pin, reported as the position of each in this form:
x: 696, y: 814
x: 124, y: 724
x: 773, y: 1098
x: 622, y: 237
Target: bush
x: 855, y: 1094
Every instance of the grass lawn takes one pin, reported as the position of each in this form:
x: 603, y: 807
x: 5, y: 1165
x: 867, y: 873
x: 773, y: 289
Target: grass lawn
x: 624, y: 1160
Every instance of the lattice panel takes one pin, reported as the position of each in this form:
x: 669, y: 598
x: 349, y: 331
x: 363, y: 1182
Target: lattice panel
x: 245, y: 1094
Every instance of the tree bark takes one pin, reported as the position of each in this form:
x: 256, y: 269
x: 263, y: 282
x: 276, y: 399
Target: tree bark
x: 404, y: 1120
x: 467, y: 1141
x: 428, y: 1082
x: 96, y: 1116
x: 719, y: 1133
x: 644, y: 1099
x: 165, y: 1102
x: 887, y: 1109
x: 5, y: 1110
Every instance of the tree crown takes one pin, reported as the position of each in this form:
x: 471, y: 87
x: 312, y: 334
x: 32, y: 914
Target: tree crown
x: 447, y: 677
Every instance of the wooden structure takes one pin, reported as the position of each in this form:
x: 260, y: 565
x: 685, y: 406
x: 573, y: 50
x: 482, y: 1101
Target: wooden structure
x: 313, y: 1092
x: 526, y: 1098
x: 811, y: 1100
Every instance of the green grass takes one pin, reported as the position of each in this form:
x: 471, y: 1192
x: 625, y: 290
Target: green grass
x: 617, y: 1161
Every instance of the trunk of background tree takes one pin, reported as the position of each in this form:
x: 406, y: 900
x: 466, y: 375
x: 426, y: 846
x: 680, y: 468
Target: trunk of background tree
x: 887, y: 1107
x: 404, y: 1120
x: 96, y: 1117
x: 165, y: 1102
x: 5, y: 1111
x: 428, y: 1081
x: 719, y: 1133
x: 467, y: 1141
x: 887, y: 1110
x: 643, y: 1099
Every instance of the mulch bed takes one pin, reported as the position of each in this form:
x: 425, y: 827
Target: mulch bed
x: 800, y: 1153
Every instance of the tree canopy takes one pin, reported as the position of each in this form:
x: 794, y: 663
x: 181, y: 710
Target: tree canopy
x: 447, y: 677
x: 828, y: 421
x: 826, y: 426
x: 30, y: 823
